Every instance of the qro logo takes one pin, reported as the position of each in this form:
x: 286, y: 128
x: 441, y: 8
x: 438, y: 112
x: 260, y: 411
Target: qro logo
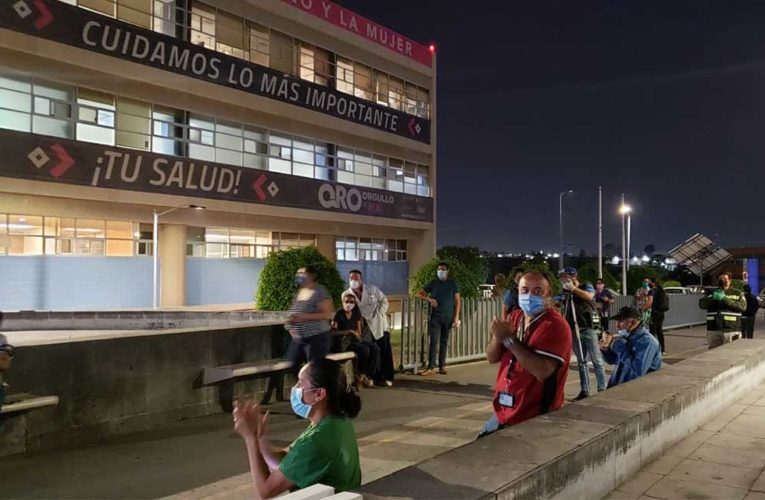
x: 44, y: 18
x: 336, y: 196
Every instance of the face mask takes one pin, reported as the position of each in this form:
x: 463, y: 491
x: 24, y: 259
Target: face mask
x: 300, y: 280
x: 442, y: 274
x: 622, y: 333
x: 355, y: 284
x: 645, y: 285
x: 531, y: 304
x: 599, y: 287
x: 349, y: 307
x: 300, y: 408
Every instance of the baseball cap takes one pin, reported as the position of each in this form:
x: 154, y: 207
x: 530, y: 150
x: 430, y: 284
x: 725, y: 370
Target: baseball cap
x: 5, y: 346
x: 571, y: 271
x: 627, y: 312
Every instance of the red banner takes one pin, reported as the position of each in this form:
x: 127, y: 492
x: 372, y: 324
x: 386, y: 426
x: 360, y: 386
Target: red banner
x: 349, y: 20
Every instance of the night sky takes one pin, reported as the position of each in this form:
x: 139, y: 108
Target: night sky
x: 663, y: 100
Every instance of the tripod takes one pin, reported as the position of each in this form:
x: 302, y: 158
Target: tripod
x: 567, y: 307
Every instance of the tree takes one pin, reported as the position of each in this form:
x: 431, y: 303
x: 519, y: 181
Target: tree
x: 637, y: 274
x: 670, y: 283
x: 650, y: 250
x: 609, y: 250
x: 470, y: 257
x: 588, y: 273
x: 466, y: 278
x: 276, y: 287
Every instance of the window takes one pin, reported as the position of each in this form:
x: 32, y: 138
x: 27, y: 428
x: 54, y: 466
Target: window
x: 202, y: 26
x: 370, y: 249
x: 396, y: 93
x: 53, y: 110
x: 225, y: 243
x: 314, y: 64
x: 95, y: 117
x: 15, y: 105
x: 133, y: 124
x: 282, y: 53
x: 344, y: 75
x: 260, y: 44
x: 138, y: 12
x: 164, y: 17
x: 362, y: 82
x: 229, y: 35
x: 168, y: 131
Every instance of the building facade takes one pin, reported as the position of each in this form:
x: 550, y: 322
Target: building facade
x: 290, y: 122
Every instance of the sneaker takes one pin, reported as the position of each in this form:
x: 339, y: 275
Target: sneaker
x: 442, y: 371
x: 367, y: 383
x: 427, y: 373
x: 581, y: 396
x: 389, y: 383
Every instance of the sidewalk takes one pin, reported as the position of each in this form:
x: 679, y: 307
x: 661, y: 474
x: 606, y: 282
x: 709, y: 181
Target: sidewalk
x: 723, y: 460
x: 418, y: 418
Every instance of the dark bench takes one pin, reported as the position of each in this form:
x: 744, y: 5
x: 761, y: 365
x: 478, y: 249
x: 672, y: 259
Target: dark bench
x: 17, y: 403
x: 275, y: 369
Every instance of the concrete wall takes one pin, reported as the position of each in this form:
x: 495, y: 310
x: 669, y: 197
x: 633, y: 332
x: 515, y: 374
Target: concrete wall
x: 222, y: 281
x: 390, y: 277
x: 53, y: 282
x: 127, y: 384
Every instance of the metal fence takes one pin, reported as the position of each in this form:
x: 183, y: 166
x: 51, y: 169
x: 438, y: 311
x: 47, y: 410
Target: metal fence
x: 468, y: 342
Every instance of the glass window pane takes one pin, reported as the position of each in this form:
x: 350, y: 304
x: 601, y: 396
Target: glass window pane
x: 119, y: 230
x: 119, y: 248
x: 27, y: 225
x: 90, y: 228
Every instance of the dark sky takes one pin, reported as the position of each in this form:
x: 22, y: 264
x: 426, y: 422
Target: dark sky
x: 663, y: 100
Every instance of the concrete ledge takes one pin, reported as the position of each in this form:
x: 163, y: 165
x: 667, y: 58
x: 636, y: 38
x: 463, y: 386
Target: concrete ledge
x: 587, y: 449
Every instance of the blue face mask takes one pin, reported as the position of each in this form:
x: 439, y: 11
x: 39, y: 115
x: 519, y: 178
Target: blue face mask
x: 300, y: 408
x: 300, y: 280
x: 530, y: 304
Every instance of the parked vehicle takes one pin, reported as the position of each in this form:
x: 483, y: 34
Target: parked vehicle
x: 677, y: 290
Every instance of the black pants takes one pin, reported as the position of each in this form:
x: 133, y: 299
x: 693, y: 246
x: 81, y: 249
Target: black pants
x: 657, y: 327
x: 307, y: 349
x: 385, y: 373
x: 747, y: 326
x: 438, y: 331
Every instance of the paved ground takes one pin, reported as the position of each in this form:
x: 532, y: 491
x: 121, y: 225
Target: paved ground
x: 202, y: 458
x: 723, y: 460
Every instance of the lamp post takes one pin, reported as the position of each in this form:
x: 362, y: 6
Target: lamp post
x: 600, y: 232
x: 625, y: 211
x: 562, y: 247
x: 155, y: 250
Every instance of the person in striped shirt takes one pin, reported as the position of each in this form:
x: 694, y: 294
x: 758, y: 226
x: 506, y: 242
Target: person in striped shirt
x: 309, y: 318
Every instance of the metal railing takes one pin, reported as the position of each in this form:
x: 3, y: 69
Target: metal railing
x: 468, y: 342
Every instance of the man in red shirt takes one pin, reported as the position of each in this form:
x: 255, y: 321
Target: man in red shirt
x: 534, y: 350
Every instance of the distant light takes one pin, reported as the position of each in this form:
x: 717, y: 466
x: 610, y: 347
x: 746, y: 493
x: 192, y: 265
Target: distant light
x: 625, y: 209
x: 616, y: 260
x: 645, y: 258
x: 556, y: 255
x: 500, y: 255
x: 432, y: 47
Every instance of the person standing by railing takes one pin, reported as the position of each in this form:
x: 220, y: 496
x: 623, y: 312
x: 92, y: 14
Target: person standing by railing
x: 445, y: 303
x: 750, y: 314
x: 373, y: 304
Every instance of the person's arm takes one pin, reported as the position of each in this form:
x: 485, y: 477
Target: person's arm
x: 500, y: 330
x: 539, y: 365
x: 424, y: 293
x: 639, y: 358
x: 735, y: 303
x: 648, y: 302
x: 457, y: 308
x: 382, y: 304
x: 587, y: 294
x: 357, y: 331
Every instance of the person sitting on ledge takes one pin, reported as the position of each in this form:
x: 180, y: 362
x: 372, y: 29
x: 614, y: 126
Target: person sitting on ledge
x: 6, y: 355
x: 326, y: 452
x: 633, y: 349
x: 534, y: 350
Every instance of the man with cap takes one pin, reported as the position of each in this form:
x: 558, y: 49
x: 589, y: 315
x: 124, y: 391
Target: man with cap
x: 6, y: 354
x: 633, y: 349
x: 578, y: 307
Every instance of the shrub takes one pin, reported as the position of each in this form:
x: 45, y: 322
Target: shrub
x: 588, y: 273
x: 467, y: 280
x: 469, y: 257
x: 276, y: 287
x: 671, y: 283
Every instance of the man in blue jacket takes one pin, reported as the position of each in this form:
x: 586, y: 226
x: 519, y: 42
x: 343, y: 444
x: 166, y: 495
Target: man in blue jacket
x: 633, y: 349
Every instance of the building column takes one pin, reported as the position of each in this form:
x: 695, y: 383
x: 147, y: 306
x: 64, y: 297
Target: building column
x: 172, y: 265
x: 326, y: 246
x: 420, y: 251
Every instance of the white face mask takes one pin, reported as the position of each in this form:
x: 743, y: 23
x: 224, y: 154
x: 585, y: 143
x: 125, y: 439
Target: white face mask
x: 355, y: 284
x: 442, y: 274
x: 349, y: 307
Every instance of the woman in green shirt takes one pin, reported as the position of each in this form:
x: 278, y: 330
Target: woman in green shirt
x: 325, y: 453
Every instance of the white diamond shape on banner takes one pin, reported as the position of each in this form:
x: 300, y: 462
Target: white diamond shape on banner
x: 38, y: 157
x: 273, y: 189
x: 22, y: 9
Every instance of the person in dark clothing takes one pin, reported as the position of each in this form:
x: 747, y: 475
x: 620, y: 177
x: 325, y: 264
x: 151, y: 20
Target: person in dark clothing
x: 347, y: 327
x: 603, y: 300
x: 510, y: 297
x: 659, y: 306
x: 749, y: 316
x: 6, y: 355
x: 444, y: 297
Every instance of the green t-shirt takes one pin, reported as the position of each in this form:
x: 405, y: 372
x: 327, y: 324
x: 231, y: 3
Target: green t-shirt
x: 443, y: 292
x: 325, y: 453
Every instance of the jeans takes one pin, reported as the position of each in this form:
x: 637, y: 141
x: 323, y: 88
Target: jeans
x: 657, y: 327
x: 491, y: 426
x: 304, y: 349
x: 438, y: 329
x: 747, y: 326
x: 591, y: 347
x: 386, y: 370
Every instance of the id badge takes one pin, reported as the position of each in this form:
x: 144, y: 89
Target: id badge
x: 506, y: 399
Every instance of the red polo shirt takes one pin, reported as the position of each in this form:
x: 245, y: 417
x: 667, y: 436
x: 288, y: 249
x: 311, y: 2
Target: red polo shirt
x: 547, y: 335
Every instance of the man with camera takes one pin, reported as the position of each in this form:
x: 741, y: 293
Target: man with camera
x: 633, y: 349
x: 578, y: 307
x: 724, y: 307
x: 534, y: 350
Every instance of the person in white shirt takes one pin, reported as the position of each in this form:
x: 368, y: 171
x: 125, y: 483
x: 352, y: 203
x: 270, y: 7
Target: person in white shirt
x: 373, y: 305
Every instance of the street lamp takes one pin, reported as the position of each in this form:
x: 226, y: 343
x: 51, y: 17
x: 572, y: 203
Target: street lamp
x: 155, y: 249
x: 562, y: 247
x: 625, y: 210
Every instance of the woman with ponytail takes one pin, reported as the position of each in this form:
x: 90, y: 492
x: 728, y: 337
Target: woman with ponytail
x: 325, y: 453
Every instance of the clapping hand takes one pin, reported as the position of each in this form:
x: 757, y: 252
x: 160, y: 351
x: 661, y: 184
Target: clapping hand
x: 502, y: 330
x: 249, y: 421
